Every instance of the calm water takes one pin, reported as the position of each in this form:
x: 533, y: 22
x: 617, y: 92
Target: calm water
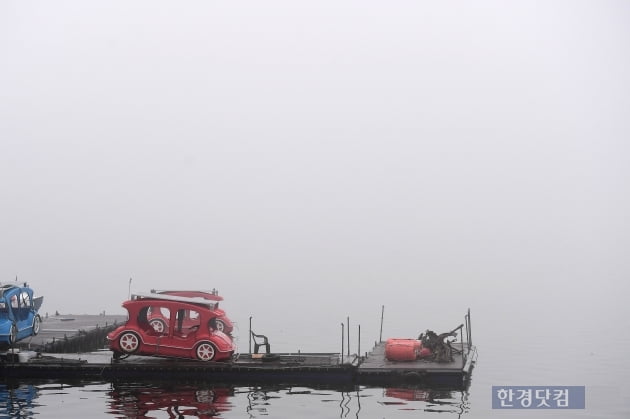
x: 518, y: 348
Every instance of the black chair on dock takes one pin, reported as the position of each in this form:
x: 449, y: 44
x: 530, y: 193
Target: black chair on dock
x: 260, y: 340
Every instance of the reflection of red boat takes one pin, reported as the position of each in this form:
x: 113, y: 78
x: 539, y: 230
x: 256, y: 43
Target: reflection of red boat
x: 180, y: 402
x: 222, y: 323
x: 409, y: 394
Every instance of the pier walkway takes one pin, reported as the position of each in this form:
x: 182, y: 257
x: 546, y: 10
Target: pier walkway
x: 65, y: 327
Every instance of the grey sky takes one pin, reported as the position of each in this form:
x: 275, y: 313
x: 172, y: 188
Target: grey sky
x: 340, y: 154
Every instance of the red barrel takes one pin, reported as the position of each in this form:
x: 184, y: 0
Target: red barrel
x: 424, y: 352
x: 402, y: 349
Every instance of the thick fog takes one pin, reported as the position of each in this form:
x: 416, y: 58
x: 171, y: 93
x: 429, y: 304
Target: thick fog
x: 318, y: 160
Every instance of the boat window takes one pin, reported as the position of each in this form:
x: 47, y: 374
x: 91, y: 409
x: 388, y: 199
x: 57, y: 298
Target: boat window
x: 159, y: 318
x: 160, y: 311
x: 25, y: 299
x: 187, y: 321
x: 142, y: 319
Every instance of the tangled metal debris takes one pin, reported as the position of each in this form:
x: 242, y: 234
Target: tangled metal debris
x: 440, y: 346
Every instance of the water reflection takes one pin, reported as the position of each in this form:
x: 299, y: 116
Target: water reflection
x: 433, y: 400
x: 271, y: 401
x: 206, y: 400
x: 356, y: 401
x: 257, y: 402
x: 16, y: 400
x: 139, y: 401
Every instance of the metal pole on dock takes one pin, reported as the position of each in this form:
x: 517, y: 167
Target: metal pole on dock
x: 348, y: 336
x: 380, y: 338
x: 469, y: 330
x: 359, y: 342
x: 250, y: 335
x: 342, y: 341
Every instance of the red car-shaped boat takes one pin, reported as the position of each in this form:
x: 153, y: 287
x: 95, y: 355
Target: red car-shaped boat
x: 189, y: 331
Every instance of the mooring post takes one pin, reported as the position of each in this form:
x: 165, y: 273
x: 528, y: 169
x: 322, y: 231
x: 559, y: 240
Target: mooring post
x: 380, y: 338
x: 250, y: 335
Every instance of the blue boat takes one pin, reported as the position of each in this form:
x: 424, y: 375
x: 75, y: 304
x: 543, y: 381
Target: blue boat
x: 19, y: 318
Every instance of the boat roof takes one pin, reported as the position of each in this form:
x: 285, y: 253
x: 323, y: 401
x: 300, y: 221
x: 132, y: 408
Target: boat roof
x: 165, y: 297
x: 5, y: 288
x: 208, y: 295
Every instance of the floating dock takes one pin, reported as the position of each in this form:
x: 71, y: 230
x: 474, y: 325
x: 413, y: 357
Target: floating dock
x: 71, y: 333
x: 34, y: 360
x: 303, y: 368
x: 289, y: 368
x: 377, y: 369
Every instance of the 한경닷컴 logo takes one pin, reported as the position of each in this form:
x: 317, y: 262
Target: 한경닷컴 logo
x: 538, y: 397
